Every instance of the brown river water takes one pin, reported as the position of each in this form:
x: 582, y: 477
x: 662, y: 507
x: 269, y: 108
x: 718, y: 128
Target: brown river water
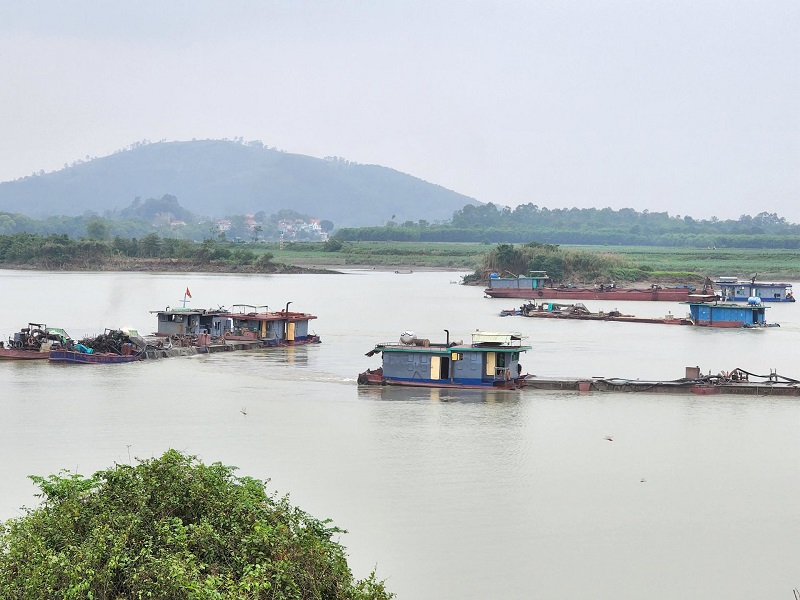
x: 450, y: 493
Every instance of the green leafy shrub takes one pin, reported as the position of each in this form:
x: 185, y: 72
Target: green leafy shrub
x: 242, y: 257
x: 332, y: 245
x: 264, y: 261
x: 172, y: 527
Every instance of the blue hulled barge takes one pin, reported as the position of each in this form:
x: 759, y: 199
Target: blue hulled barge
x: 490, y: 361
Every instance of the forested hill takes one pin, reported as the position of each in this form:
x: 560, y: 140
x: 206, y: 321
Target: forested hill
x: 217, y: 178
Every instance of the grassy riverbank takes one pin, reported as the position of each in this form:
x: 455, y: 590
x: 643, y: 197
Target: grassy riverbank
x: 659, y: 262
x: 383, y: 255
x: 625, y: 263
x: 711, y: 262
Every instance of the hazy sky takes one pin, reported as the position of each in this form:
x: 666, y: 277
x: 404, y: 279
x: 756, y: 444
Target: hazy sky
x: 684, y: 106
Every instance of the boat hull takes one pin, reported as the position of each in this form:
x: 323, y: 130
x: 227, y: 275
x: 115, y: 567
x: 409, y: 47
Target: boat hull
x: 375, y: 377
x: 705, y: 389
x: 734, y: 325
x: 680, y: 387
x: 607, y: 317
x: 96, y: 358
x: 642, y: 295
x: 270, y: 343
x: 16, y: 354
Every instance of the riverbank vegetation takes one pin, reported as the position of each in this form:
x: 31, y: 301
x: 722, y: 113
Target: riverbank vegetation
x: 172, y: 527
x: 151, y: 253
x: 488, y: 224
x: 60, y: 252
x: 714, y: 262
x: 574, y: 263
x: 634, y: 264
x: 571, y: 264
x: 429, y: 255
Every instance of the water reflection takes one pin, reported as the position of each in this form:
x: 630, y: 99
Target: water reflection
x: 287, y: 355
x: 396, y: 393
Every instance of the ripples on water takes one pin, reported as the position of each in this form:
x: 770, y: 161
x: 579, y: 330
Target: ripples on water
x: 452, y: 493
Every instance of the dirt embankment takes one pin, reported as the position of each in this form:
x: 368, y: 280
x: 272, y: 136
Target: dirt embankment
x: 168, y: 265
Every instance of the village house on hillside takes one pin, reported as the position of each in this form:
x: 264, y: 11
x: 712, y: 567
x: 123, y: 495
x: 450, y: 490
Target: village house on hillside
x: 297, y: 229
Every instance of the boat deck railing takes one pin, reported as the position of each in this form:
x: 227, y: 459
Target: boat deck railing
x: 502, y: 373
x: 249, y: 309
x: 487, y: 346
x: 410, y: 346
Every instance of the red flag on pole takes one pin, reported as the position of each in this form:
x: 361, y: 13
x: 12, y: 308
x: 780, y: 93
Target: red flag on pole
x: 188, y: 293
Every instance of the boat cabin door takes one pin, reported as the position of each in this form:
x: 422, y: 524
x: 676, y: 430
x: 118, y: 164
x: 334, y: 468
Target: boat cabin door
x: 440, y: 367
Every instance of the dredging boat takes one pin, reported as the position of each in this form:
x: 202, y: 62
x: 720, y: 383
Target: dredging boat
x: 733, y: 289
x: 729, y: 315
x: 271, y: 328
x: 535, y: 286
x: 578, y: 311
x: 33, y: 342
x: 187, y: 331
x: 244, y: 323
x: 701, y: 314
x: 490, y: 361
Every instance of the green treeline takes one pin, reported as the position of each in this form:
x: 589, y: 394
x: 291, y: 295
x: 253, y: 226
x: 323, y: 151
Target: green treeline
x: 588, y: 226
x: 61, y: 251
x: 94, y: 225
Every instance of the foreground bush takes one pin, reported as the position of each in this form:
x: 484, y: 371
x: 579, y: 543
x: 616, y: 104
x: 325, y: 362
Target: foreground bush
x: 168, y: 528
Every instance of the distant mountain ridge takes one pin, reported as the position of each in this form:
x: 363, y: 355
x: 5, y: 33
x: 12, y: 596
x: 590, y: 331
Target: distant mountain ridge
x: 216, y: 178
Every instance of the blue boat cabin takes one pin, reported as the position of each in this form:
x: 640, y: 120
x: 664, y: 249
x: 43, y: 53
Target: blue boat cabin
x: 728, y: 315
x: 187, y: 321
x: 491, y: 359
x: 733, y: 289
